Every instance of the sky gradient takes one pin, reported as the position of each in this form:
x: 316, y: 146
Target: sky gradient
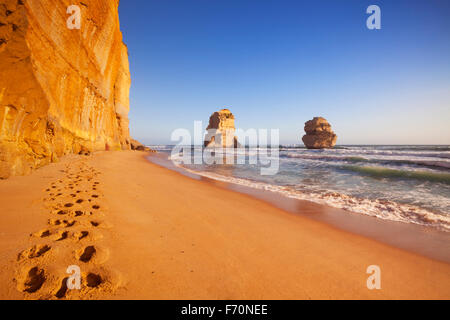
x: 277, y: 64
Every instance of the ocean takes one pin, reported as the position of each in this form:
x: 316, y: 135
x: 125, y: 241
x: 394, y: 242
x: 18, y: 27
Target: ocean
x: 409, y: 184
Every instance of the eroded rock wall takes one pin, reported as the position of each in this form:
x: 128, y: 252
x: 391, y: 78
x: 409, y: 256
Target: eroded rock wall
x: 61, y: 90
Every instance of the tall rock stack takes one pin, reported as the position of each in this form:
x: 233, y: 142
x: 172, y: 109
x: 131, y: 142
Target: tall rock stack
x: 61, y: 90
x: 319, y: 134
x: 220, y: 131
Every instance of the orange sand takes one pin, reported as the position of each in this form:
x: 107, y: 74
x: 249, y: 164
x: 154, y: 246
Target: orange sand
x: 165, y: 236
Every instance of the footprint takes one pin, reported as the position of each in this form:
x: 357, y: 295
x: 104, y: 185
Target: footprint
x: 63, y: 235
x: 34, y: 280
x: 95, y: 223
x: 78, y: 213
x: 34, y: 252
x: 82, y: 235
x: 87, y: 254
x: 69, y: 224
x: 62, y: 290
x: 93, y: 280
x: 54, y: 222
x: 65, y: 223
x: 96, y: 207
x: 62, y: 212
x: 79, y: 200
x: 68, y: 205
x: 42, y: 233
x: 95, y: 196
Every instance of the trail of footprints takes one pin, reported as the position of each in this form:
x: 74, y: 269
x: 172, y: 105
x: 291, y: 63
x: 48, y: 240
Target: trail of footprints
x: 74, y: 208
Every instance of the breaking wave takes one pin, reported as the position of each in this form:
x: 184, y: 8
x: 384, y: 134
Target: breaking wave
x: 379, y: 172
x: 355, y: 159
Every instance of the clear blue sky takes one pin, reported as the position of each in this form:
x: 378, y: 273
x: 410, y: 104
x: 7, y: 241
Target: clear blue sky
x: 277, y: 64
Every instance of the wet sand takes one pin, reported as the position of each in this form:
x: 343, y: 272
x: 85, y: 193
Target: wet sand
x: 423, y: 240
x: 143, y: 231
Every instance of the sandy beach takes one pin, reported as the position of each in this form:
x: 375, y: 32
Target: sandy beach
x: 140, y: 231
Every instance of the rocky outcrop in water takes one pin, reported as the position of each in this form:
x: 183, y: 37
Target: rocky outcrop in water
x: 319, y: 134
x: 62, y: 90
x: 220, y: 131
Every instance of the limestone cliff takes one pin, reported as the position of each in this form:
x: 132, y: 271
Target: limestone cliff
x: 220, y: 130
x: 61, y: 90
x: 319, y: 134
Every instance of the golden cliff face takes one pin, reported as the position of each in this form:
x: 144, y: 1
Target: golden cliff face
x: 61, y: 90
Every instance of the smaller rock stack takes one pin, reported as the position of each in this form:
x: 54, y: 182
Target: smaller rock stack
x: 137, y: 146
x: 319, y: 134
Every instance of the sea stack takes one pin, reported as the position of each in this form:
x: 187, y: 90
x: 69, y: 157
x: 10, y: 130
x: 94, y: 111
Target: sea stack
x: 319, y: 134
x: 62, y: 90
x: 220, y: 131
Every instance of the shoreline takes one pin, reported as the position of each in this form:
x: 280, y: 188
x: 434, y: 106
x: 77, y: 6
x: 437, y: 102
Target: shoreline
x: 164, y: 236
x: 426, y: 241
